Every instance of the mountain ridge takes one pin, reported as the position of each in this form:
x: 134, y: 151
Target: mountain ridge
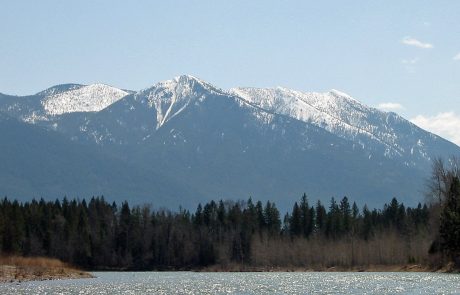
x: 265, y: 143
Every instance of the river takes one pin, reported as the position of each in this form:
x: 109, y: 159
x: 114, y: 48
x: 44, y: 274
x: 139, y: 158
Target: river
x: 245, y: 283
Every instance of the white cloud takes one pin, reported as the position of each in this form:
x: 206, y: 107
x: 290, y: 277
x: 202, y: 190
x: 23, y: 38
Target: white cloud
x: 414, y: 42
x: 390, y: 106
x: 444, y: 124
x: 457, y: 57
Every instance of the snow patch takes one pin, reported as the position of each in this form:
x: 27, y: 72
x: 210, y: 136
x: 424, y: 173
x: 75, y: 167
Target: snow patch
x: 334, y: 111
x: 171, y: 97
x: 91, y: 98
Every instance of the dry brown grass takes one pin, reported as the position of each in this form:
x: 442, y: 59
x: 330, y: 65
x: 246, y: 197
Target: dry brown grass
x: 17, y: 268
x: 32, y: 262
x: 384, y: 250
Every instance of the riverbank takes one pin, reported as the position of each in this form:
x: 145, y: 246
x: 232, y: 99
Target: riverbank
x: 369, y: 268
x: 20, y: 269
x: 235, y: 267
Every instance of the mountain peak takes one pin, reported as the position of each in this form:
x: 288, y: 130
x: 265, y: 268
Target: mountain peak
x: 81, y: 98
x: 341, y: 94
x: 171, y: 97
x: 193, y: 83
x: 333, y: 111
x: 59, y: 88
x: 187, y: 79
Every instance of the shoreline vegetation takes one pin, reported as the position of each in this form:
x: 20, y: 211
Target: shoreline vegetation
x: 21, y: 269
x: 368, y: 268
x: 240, y: 235
x: 102, y: 236
x: 222, y: 236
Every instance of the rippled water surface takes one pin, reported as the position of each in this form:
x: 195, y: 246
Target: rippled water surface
x: 245, y: 283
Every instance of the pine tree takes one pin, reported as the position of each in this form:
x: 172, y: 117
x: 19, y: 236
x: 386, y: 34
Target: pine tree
x: 321, y: 216
x: 367, y: 228
x: 272, y: 217
x: 346, y: 215
x: 198, y: 217
x: 355, y: 211
x: 305, y: 216
x: 295, y: 222
x: 124, y: 230
x: 82, y: 252
x: 260, y: 216
x: 450, y: 221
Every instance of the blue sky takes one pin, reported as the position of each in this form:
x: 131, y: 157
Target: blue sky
x: 400, y: 55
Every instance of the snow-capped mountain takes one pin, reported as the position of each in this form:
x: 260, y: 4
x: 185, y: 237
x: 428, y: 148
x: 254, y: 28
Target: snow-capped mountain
x: 334, y: 111
x: 136, y: 117
x: 267, y: 143
x: 60, y: 100
x: 171, y: 97
x: 59, y: 89
x: 342, y: 115
x: 90, y: 98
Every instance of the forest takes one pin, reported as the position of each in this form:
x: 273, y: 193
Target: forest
x: 98, y: 235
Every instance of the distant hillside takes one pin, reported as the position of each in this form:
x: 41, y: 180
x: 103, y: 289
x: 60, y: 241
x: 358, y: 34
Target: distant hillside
x: 184, y: 141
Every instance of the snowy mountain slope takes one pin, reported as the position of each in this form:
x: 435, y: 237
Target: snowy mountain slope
x: 136, y: 117
x: 333, y: 111
x: 171, y: 97
x: 344, y: 116
x: 91, y: 98
x: 57, y: 89
x: 226, y: 143
x: 266, y: 143
x: 46, y: 106
x: 225, y: 149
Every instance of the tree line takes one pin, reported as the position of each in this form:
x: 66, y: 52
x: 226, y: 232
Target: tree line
x: 100, y: 235
x: 444, y: 187
x: 96, y: 234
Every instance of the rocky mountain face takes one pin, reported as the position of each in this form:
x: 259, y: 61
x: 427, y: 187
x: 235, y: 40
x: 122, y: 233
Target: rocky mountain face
x: 184, y: 140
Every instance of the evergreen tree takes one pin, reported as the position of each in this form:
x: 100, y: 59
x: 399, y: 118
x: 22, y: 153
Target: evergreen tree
x: 355, y: 211
x: 367, y: 228
x: 260, y: 216
x: 82, y: 252
x: 295, y: 222
x: 345, y: 211
x: 307, y: 225
x: 124, y: 231
x: 99, y: 235
x: 320, y: 216
x: 272, y: 218
x: 450, y: 221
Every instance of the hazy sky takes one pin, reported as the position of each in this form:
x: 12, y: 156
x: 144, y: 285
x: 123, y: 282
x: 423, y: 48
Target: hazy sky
x: 400, y: 55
